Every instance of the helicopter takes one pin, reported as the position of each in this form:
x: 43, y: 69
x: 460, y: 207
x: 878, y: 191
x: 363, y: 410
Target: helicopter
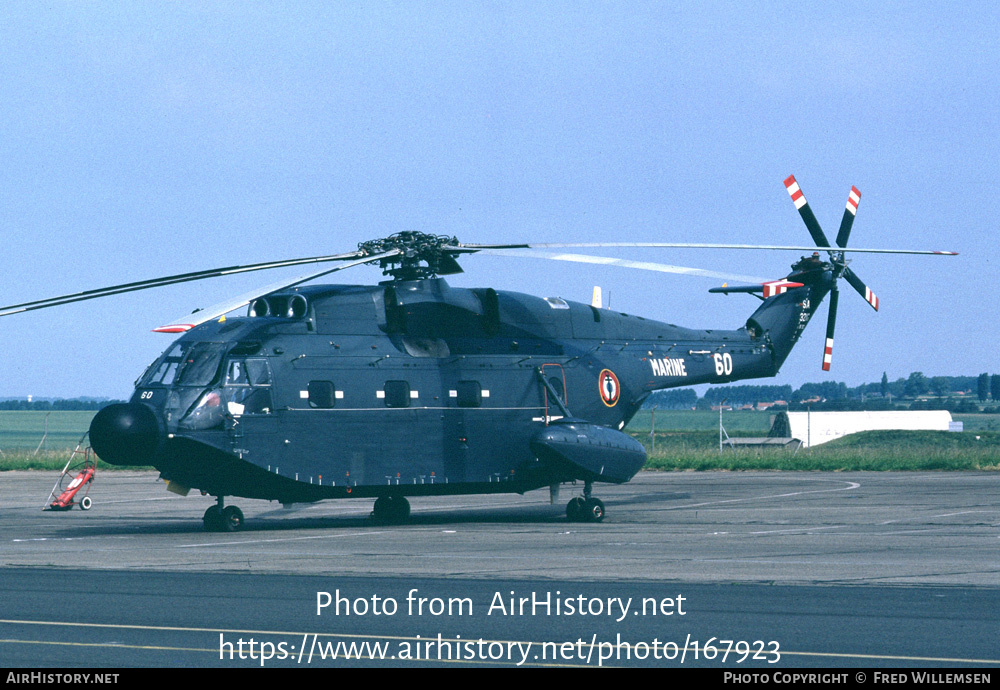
x: 413, y: 388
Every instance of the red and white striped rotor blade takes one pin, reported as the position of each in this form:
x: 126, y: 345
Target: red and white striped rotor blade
x: 862, y: 289
x: 848, y: 220
x: 799, y: 199
x: 831, y: 323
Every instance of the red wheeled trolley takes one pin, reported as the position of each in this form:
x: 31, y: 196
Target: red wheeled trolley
x: 66, y: 494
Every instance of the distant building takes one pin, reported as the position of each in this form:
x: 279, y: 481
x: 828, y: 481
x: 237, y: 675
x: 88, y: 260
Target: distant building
x: 814, y: 428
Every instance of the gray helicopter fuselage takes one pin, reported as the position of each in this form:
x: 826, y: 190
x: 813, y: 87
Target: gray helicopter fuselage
x: 417, y: 388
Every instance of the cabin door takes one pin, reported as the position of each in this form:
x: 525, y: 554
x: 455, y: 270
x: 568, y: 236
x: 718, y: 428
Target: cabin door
x: 556, y: 378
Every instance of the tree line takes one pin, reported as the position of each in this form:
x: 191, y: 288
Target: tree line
x: 910, y: 392
x: 58, y: 404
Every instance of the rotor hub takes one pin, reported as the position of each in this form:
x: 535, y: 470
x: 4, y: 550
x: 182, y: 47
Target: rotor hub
x: 420, y: 255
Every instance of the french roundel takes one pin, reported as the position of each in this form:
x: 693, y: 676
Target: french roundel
x: 610, y: 390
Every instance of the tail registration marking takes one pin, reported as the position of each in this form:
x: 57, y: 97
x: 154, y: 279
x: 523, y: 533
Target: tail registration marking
x: 723, y: 364
x: 668, y: 367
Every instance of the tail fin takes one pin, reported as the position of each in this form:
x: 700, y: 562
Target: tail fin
x: 783, y: 316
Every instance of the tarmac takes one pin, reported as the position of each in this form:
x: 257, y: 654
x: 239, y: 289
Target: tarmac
x: 784, y: 569
x: 857, y: 528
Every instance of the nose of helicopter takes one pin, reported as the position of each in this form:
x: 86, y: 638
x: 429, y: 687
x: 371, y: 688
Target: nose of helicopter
x: 125, y: 434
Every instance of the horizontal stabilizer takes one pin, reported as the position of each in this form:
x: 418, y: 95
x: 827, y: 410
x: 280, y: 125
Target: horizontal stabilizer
x: 769, y: 289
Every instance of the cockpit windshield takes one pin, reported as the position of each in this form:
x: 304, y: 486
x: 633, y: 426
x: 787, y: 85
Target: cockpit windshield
x: 186, y: 364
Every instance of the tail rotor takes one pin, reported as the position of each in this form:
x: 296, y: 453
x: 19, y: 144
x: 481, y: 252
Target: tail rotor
x: 840, y: 268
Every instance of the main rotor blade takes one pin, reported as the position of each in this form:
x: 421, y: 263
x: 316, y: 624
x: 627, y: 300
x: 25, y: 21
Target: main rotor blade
x: 862, y: 289
x: 170, y: 280
x: 853, y: 199
x: 189, y: 321
x: 473, y: 248
x: 807, y: 215
x: 831, y: 323
x: 626, y: 263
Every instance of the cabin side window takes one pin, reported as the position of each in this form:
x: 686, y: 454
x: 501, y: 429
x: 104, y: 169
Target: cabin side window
x: 397, y: 394
x: 322, y: 394
x: 469, y: 394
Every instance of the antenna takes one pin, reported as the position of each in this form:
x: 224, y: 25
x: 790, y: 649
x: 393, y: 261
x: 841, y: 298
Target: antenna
x: 722, y: 429
x: 44, y: 435
x: 652, y: 428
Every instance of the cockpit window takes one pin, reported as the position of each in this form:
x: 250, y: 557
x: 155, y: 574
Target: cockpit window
x: 248, y: 386
x: 237, y: 373
x: 242, y: 372
x: 200, y: 365
x: 186, y: 364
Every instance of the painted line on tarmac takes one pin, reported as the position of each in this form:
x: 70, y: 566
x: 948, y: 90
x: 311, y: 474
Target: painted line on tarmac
x: 931, y: 517
x: 269, y: 541
x: 141, y: 500
x: 291, y: 658
x: 893, y: 657
x: 798, y: 529
x: 831, y: 655
x: 396, y: 638
x: 850, y: 487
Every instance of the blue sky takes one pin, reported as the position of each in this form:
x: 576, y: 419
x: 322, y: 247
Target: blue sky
x: 144, y: 139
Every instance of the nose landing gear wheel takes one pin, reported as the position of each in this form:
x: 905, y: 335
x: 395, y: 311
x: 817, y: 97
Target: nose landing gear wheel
x: 232, y: 519
x: 223, y: 519
x: 392, y: 509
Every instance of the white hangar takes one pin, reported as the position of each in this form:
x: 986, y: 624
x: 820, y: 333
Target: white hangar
x: 814, y: 428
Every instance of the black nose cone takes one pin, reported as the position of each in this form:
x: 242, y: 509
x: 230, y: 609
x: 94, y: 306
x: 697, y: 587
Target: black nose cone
x: 125, y: 434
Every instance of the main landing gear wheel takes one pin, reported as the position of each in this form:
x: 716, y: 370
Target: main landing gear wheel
x: 582, y: 509
x: 574, y: 509
x: 232, y: 519
x: 391, y: 509
x: 585, y: 508
x: 223, y: 519
x: 593, y: 510
x: 212, y: 519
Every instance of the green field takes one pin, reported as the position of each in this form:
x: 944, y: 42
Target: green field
x: 739, y: 423
x: 21, y: 434
x: 865, y: 451
x: 689, y: 440
x: 685, y: 440
x: 21, y: 431
x: 979, y: 422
